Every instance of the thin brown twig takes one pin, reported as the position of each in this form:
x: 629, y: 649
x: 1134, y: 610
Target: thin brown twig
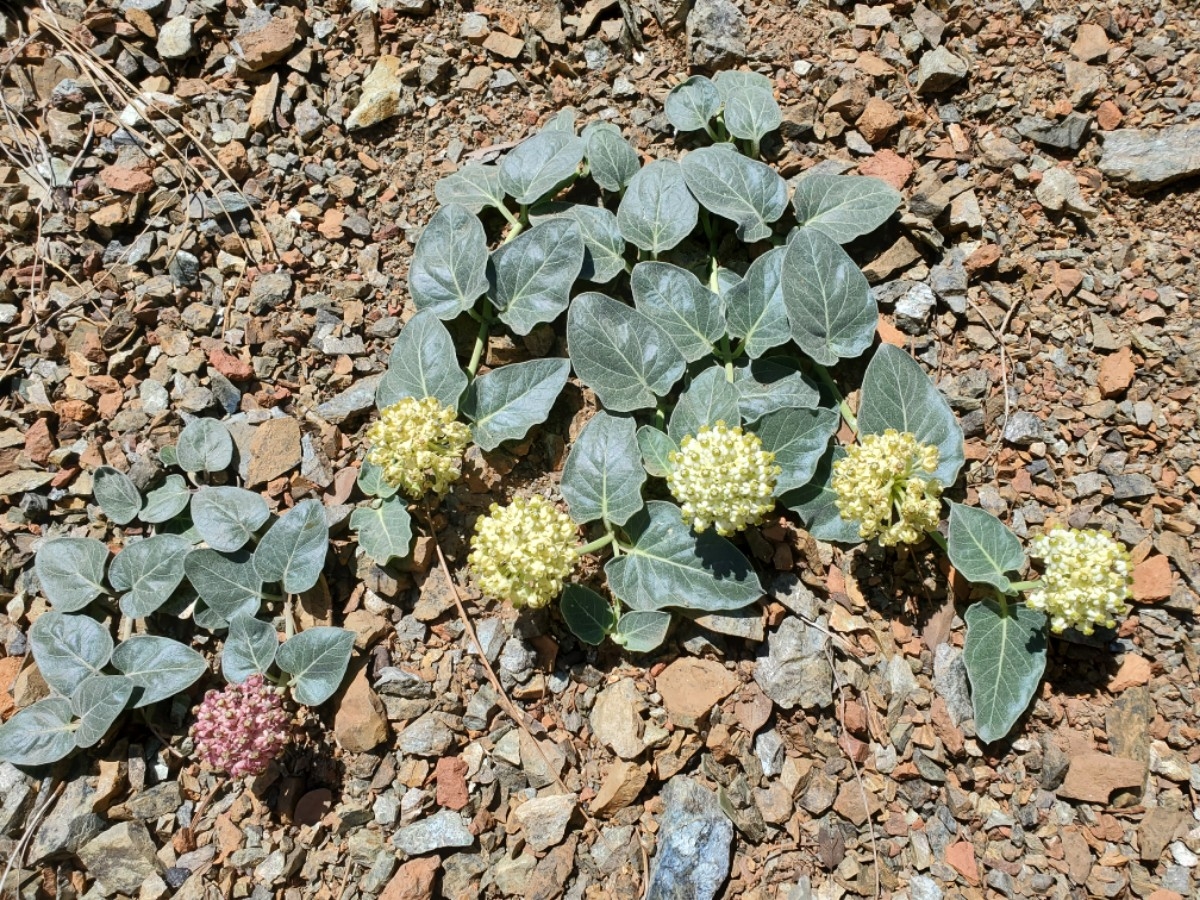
x: 31, y: 826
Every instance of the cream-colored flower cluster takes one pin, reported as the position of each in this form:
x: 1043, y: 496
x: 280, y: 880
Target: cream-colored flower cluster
x: 723, y: 478
x: 522, y: 552
x: 882, y: 484
x: 1086, y: 579
x: 419, y: 445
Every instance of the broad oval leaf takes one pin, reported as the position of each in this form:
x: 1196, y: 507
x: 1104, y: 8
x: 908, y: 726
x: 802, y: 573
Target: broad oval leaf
x: 656, y: 449
x: 538, y: 165
x: 770, y: 384
x: 204, y: 446
x: 1005, y: 656
x: 611, y: 160
x: 530, y: 277
x: 117, y: 495
x: 669, y: 565
x: 798, y: 438
x: 709, y: 399
x: 71, y: 572
x: 148, y: 571
x: 474, y: 187
x: 691, y: 105
x: 603, y: 475
x: 755, y: 309
x: 422, y: 364
x: 982, y: 548
x: 589, y: 616
x: 227, y: 517
x: 896, y: 393
x: 316, y: 659
x: 98, y: 701
x: 658, y: 211
x: 620, y: 353
x: 642, y: 630
x: 159, y: 666
x: 675, y: 300
x: 249, y: 649
x: 448, y: 272
x: 743, y: 190
x: 384, y: 529
x: 844, y: 206
x: 372, y: 483
x: 166, y: 501
x: 603, y: 243
x: 750, y: 108
x: 293, y: 551
x: 815, y: 504
x: 39, y: 734
x: 506, y: 402
x: 68, y: 649
x: 227, y: 582
x: 829, y: 303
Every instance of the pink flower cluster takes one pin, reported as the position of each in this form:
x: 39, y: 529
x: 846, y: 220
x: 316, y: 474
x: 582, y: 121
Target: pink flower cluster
x: 240, y: 729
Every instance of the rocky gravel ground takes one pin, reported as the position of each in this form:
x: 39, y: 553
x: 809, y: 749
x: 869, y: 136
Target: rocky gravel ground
x: 209, y: 208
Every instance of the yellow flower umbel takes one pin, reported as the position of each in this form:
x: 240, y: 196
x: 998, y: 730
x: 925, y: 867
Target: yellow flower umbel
x: 882, y: 484
x: 723, y: 478
x: 522, y: 552
x: 418, y: 444
x: 1086, y: 580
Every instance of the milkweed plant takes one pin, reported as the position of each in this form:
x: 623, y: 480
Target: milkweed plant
x: 707, y: 306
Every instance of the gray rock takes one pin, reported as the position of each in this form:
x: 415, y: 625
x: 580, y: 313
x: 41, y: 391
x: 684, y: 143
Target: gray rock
x: 351, y: 402
x: 399, y: 683
x: 70, y: 824
x: 1145, y: 158
x: 948, y: 279
x: 517, y: 658
x: 184, y: 269
x: 1130, y: 487
x: 427, y: 736
x: 693, y: 844
x: 1023, y: 428
x: 950, y: 683
x: 717, y: 32
x: 771, y: 752
x: 492, y: 637
x: 1066, y: 134
x: 616, y: 719
x: 308, y: 120
x: 160, y: 800
x: 913, y: 308
x: 1060, y: 192
x: 269, y: 291
x: 544, y: 819
x: 121, y: 858
x: 939, y: 71
x: 922, y: 887
x: 16, y: 798
x: 439, y: 831
x: 794, y: 669
x: 175, y: 39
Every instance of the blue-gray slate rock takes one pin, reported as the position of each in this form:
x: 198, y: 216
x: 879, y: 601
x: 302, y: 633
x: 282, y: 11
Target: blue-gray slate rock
x: 693, y: 856
x: 1148, y: 158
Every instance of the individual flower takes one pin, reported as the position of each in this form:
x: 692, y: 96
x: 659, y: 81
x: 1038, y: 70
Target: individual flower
x: 240, y: 729
x: 723, y: 478
x: 418, y: 444
x: 522, y: 552
x: 1087, y: 577
x: 883, y: 484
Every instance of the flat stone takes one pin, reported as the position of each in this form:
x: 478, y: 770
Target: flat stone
x: 1117, y: 371
x: 351, y: 402
x: 690, y: 688
x: 794, y: 670
x: 71, y: 823
x: 1146, y: 158
x: 1023, y: 428
x: 717, y: 33
x: 263, y: 46
x: 122, y: 857
x: 1152, y: 580
x: 441, y: 830
x: 381, y: 95
x: 1135, y: 671
x: 856, y: 805
x: 914, y: 307
x: 939, y: 70
x: 427, y: 736
x: 1091, y: 43
x: 1060, y: 192
x: 504, y: 45
x: 270, y: 291
x: 622, y: 783
x: 694, y: 841
x: 544, y: 819
x: 275, y: 449
x: 452, y: 789
x: 175, y: 39
x: 616, y: 719
x: 878, y: 118
x: 414, y: 880
x: 359, y: 724
x: 1132, y: 486
x: 1092, y: 777
x: 1066, y: 134
x: 154, y: 802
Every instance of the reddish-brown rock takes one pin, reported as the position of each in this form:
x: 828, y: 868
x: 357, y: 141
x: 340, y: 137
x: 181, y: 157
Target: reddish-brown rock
x: 232, y: 367
x: 1135, y: 671
x: 622, y: 783
x: 877, y: 119
x: 690, y: 688
x: 39, y: 443
x: 961, y: 857
x: 452, y: 791
x: 126, y: 180
x: 1092, y: 777
x: 1116, y: 373
x: 889, y: 166
x: 413, y: 880
x: 1152, y: 579
x: 360, y: 724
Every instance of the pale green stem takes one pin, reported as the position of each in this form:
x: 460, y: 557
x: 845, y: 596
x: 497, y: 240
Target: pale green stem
x: 480, y: 343
x: 826, y: 379
x: 936, y: 537
x: 1017, y: 586
x: 598, y: 544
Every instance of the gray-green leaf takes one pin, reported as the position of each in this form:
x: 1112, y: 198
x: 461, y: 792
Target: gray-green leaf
x: 982, y: 547
x: 530, y: 278
x: 249, y: 649
x: 611, y: 160
x: 743, y: 190
x: 159, y: 666
x: 642, y: 630
x: 656, y: 449
x: 603, y: 243
x: 293, y: 551
x: 71, y: 572
x: 603, y: 476
x: 828, y: 300
x: 709, y: 399
x: 227, y: 582
x: 535, y: 167
x: 166, y: 501
x: 770, y: 384
x: 422, y: 364
x: 117, y: 495
x: 693, y: 104
x: 754, y: 306
x: 506, y: 402
x: 372, y: 483
x: 658, y: 211
x: 384, y: 529
x: 750, y: 108
x: 97, y: 701
x: 675, y: 300
x: 474, y: 187
x: 204, y: 446
x: 1005, y: 656
x: 448, y: 272
x: 227, y: 517
x: 620, y: 353
x: 844, y: 206
x: 39, y: 734
x: 589, y: 616
x: 148, y: 571
x: 67, y: 649
x: 798, y: 438
x: 316, y: 659
x: 816, y: 507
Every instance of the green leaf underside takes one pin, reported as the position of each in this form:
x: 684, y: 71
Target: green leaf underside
x: 316, y: 659
x: 249, y: 649
x: 844, y: 206
x: 474, y: 187
x: 982, y: 548
x: 745, y: 191
x: 98, y: 701
x: 530, y: 278
x: 755, y: 307
x: 656, y: 449
x: 896, y: 393
x: 611, y: 160
x: 620, y: 353
x: 68, y: 649
x: 1005, y: 656
x: 227, y: 582
x: 166, y: 501
x: 588, y: 615
x: 750, y: 108
x: 372, y: 483
x: 227, y: 517
x: 117, y: 495
x: 159, y: 666
x: 709, y: 399
x: 829, y: 303
x: 641, y: 631
x: 39, y: 734
x: 71, y: 572
x: 675, y: 300
x: 815, y: 505
x: 798, y: 438
x: 770, y: 384
x: 422, y: 364
x: 448, y: 272
x: 384, y: 530
x: 693, y: 104
x: 657, y: 211
x: 293, y: 551
x: 148, y: 571
x: 603, y: 475
x: 669, y: 565
x: 538, y: 165
x: 204, y: 446
x: 506, y: 402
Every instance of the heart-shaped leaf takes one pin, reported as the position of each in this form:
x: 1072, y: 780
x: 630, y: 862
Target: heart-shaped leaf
x: 709, y: 399
x: 98, y: 701
x: 589, y: 616
x: 770, y: 384
x: 372, y: 483
x: 755, y: 309
x: 829, y: 303
x: 740, y: 189
x: 166, y: 501
x: 227, y: 582
x: 530, y: 278
x: 448, y: 272
x: 384, y: 529
x: 656, y: 449
x: 148, y: 571
x: 611, y: 160
x: 204, y: 446
x: 506, y: 402
x: 71, y: 572
x: 603, y: 243
x: 982, y: 548
x: 537, y: 166
x: 293, y: 551
x: 815, y: 504
x: 1005, y: 656
x: 642, y: 630
x: 603, y: 476
x: 249, y: 649
x: 474, y: 187
x: 690, y: 106
x: 39, y: 734
x: 658, y: 211
x: 675, y: 300
x: 227, y: 517
x: 844, y: 206
x: 750, y: 108
x: 68, y: 649
x: 798, y: 438
x: 316, y: 659
x: 159, y: 666
x: 117, y: 495
x: 422, y: 364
